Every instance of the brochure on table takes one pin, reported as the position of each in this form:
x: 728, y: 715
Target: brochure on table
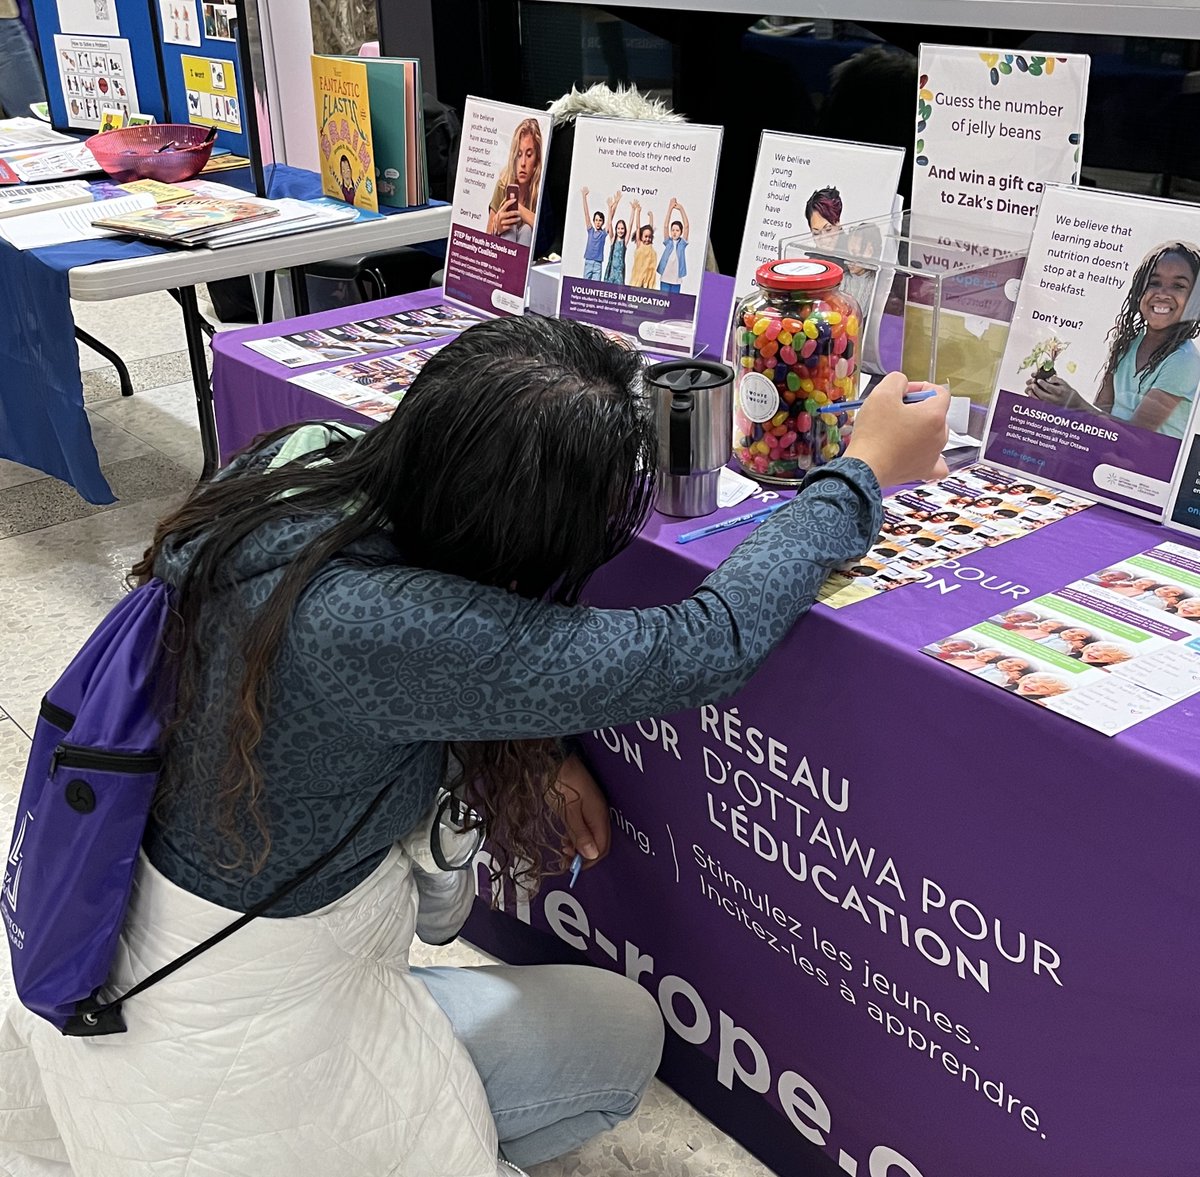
x: 372, y: 387
x: 637, y: 227
x: 837, y: 194
x: 1100, y: 373
x: 497, y: 198
x: 303, y: 349
x: 1107, y: 651
x: 975, y: 508
x: 1184, y: 511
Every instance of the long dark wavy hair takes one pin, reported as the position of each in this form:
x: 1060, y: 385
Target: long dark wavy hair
x: 1130, y: 321
x: 522, y: 457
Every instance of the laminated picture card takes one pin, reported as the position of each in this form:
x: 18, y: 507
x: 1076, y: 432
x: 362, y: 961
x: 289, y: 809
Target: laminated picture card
x: 637, y: 228
x: 497, y: 200
x: 1099, y: 377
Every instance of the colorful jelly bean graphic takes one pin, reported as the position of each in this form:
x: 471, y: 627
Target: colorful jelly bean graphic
x: 797, y: 356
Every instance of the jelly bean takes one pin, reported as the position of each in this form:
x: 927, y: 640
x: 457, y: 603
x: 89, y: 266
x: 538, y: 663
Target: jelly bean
x: 779, y: 419
x: 758, y: 364
x: 792, y: 326
x: 821, y: 398
x: 810, y: 405
x: 832, y: 318
x: 828, y: 419
x: 785, y: 337
x: 823, y: 329
x: 748, y: 319
x: 841, y: 368
x: 789, y: 397
x: 760, y: 325
x: 811, y: 328
x: 769, y: 348
x: 794, y: 382
x: 831, y: 451
x: 803, y: 422
x: 747, y: 361
x: 773, y: 329
x: 787, y: 440
x: 787, y: 355
x: 760, y: 465
x: 852, y: 326
x: 809, y: 347
x: 773, y: 455
x: 840, y: 344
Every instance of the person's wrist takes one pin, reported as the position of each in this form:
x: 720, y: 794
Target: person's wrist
x: 874, y: 457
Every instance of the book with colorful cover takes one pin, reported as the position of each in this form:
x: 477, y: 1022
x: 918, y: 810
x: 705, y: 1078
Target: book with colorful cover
x: 398, y: 175
x: 186, y: 222
x: 343, y: 108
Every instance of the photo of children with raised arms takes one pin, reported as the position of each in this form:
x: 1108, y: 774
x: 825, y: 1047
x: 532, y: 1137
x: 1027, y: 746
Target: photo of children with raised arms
x: 497, y: 198
x: 636, y: 234
x: 1101, y: 371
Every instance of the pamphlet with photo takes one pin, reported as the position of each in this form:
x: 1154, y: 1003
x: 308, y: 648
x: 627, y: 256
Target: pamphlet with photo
x: 1101, y: 369
x: 1108, y: 651
x: 497, y: 198
x: 637, y: 228
x: 371, y: 387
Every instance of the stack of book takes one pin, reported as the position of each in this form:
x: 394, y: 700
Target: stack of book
x: 371, y: 130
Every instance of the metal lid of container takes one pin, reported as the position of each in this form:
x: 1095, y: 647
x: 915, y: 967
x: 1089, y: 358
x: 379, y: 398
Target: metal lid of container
x: 798, y: 273
x: 688, y: 375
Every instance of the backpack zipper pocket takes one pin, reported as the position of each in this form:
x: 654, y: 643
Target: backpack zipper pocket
x: 135, y: 763
x: 55, y: 715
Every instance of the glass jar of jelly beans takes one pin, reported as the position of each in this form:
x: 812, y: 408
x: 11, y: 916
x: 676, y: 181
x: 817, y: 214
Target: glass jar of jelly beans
x: 795, y: 349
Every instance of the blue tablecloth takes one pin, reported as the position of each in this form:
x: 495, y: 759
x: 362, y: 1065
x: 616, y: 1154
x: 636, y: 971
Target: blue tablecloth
x: 42, y: 418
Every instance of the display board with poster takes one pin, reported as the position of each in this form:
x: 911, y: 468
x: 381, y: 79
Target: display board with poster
x: 637, y: 221
x: 497, y: 199
x: 1100, y: 374
x: 98, y: 53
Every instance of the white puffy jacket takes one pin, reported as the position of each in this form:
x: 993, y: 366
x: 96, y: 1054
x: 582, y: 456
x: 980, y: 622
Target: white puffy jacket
x: 299, y: 1047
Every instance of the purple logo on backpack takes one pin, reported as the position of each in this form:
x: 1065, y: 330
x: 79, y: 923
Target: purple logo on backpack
x: 87, y: 792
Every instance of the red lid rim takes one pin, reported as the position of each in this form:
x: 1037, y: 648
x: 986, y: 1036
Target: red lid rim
x: 815, y: 274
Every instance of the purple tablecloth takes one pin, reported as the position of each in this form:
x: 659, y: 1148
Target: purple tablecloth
x: 899, y: 922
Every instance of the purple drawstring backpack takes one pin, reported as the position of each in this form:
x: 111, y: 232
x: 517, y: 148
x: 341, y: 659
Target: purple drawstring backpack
x: 87, y: 793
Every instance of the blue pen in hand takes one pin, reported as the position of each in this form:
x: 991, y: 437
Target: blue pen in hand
x: 576, y: 867
x: 910, y: 398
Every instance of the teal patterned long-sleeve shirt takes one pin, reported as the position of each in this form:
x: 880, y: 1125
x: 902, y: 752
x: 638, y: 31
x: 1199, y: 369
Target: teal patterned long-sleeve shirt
x: 384, y: 663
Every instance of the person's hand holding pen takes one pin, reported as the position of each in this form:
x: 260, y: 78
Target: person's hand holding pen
x: 585, y: 816
x: 902, y: 442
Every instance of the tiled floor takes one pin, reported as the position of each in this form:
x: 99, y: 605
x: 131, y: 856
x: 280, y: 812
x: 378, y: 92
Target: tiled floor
x: 62, y: 566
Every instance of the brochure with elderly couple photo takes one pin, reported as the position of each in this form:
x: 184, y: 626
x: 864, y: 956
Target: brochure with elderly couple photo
x: 1101, y: 368
x: 1108, y: 651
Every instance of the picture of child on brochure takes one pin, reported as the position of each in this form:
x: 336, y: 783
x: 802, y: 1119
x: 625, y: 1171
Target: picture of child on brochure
x: 1152, y: 370
x: 651, y: 270
x: 513, y: 207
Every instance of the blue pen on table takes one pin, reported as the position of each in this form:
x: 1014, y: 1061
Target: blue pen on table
x: 725, y: 524
x: 576, y: 867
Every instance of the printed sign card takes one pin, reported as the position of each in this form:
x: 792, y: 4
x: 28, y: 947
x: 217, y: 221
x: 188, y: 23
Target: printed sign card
x: 94, y: 72
x: 1101, y: 368
x: 993, y: 129
x: 637, y: 227
x: 809, y: 185
x: 497, y: 198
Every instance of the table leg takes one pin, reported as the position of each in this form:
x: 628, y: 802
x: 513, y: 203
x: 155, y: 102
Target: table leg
x: 111, y: 356
x: 194, y: 333
x: 299, y: 290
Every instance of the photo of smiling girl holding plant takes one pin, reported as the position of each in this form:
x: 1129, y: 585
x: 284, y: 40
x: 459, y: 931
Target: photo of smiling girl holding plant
x: 1153, y: 369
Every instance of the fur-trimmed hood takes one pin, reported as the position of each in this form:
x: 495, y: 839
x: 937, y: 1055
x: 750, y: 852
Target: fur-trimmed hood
x: 625, y: 102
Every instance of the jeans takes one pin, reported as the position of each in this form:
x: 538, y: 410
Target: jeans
x: 20, y: 73
x: 593, y: 270
x: 670, y: 287
x: 564, y: 1051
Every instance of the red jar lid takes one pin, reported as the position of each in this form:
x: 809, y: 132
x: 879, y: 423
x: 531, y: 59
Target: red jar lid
x: 798, y: 273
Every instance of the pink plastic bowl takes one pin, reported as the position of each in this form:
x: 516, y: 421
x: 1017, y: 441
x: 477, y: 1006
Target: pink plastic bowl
x: 132, y: 153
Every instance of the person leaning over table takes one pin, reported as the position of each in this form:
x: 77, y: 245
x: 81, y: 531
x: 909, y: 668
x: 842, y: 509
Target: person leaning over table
x: 355, y: 611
